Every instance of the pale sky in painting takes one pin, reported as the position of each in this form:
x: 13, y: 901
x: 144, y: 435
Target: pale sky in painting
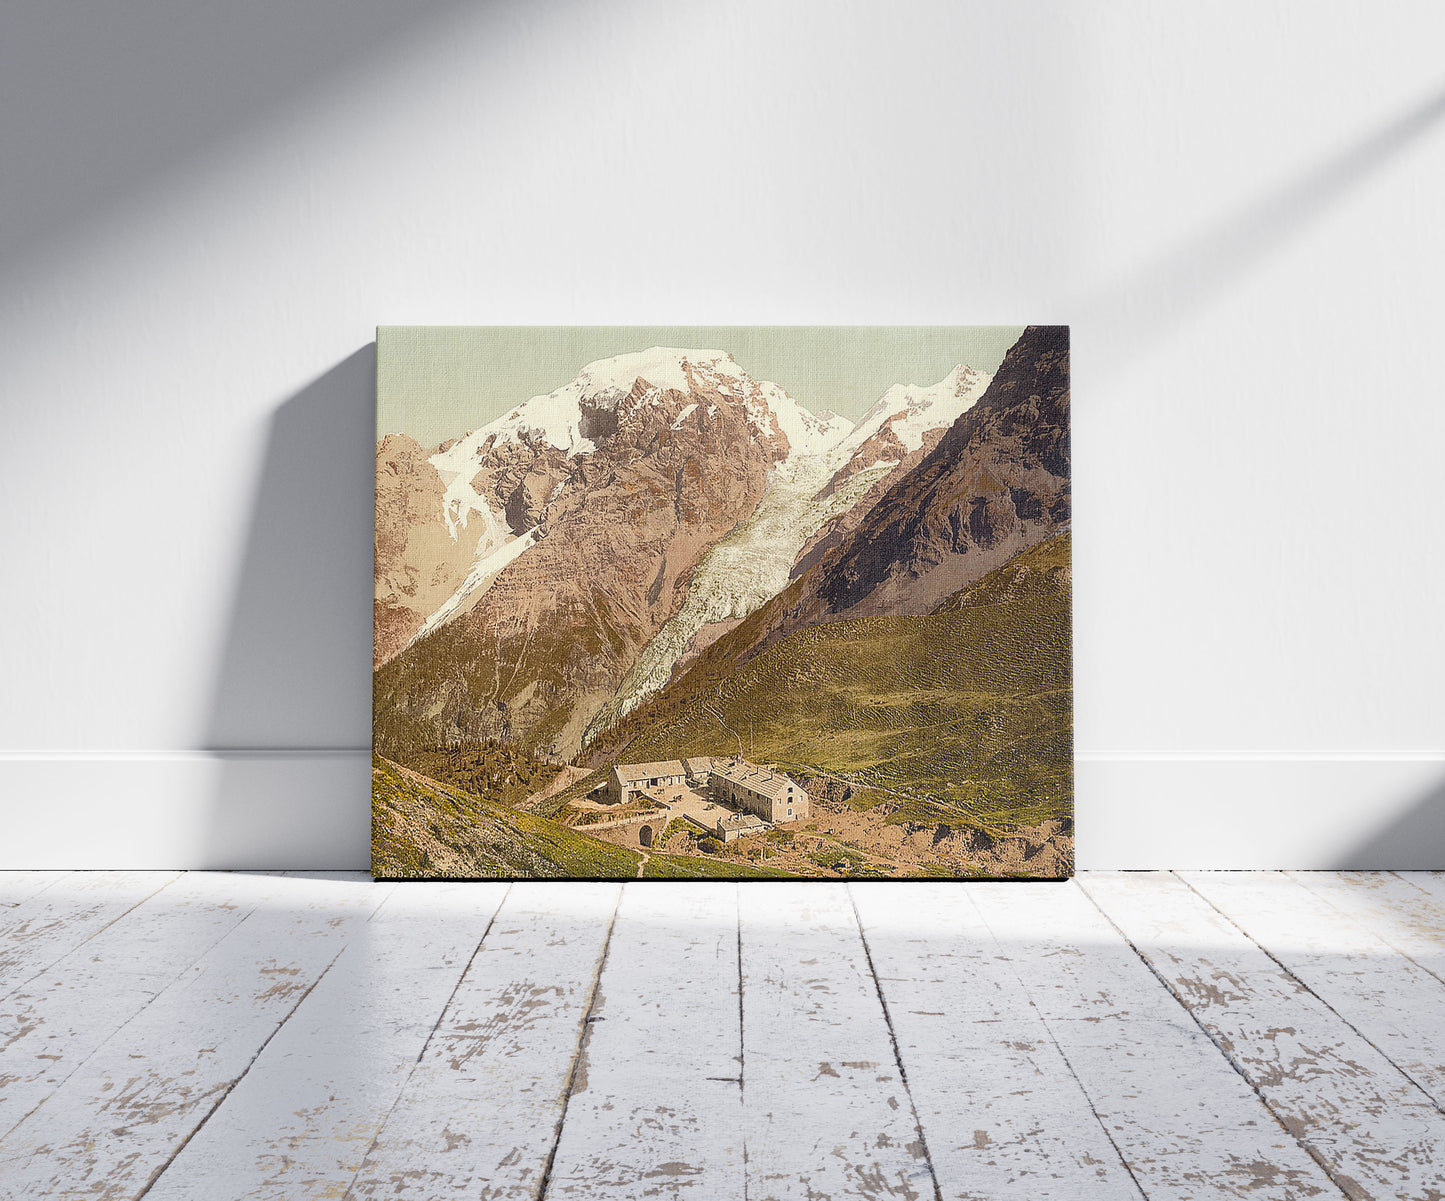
x: 441, y: 381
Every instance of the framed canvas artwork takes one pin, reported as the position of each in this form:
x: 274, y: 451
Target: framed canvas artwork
x: 745, y: 602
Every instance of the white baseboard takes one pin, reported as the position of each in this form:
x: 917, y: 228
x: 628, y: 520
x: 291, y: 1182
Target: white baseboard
x: 185, y: 809
x: 1251, y: 810
x: 311, y: 808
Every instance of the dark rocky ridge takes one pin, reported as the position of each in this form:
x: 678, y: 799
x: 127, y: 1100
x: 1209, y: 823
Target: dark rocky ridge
x: 995, y: 484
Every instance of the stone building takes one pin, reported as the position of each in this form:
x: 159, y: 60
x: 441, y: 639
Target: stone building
x: 736, y: 783
x: 699, y: 771
x: 735, y: 825
x: 769, y: 794
x: 629, y: 781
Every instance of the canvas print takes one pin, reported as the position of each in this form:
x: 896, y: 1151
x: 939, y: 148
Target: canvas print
x: 743, y: 602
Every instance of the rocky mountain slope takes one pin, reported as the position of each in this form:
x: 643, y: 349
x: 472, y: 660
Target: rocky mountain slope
x: 419, y: 559
x: 903, y: 417
x: 893, y: 437
x: 994, y: 484
x: 997, y: 483
x: 588, y: 510
x: 812, y: 501
x: 538, y: 578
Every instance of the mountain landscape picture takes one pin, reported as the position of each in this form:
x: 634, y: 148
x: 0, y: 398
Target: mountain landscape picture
x: 702, y: 602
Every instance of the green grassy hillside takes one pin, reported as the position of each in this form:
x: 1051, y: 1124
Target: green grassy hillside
x: 963, y: 716
x: 502, y: 773
x: 422, y: 828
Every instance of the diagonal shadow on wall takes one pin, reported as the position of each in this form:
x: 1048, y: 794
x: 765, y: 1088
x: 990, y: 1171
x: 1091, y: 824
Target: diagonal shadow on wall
x: 1414, y: 841
x: 290, y: 712
x: 1154, y: 302
x: 106, y: 101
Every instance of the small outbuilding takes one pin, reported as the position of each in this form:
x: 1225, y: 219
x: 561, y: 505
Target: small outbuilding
x: 629, y: 781
x: 735, y: 825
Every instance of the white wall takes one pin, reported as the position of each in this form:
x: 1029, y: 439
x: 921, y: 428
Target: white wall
x: 206, y: 207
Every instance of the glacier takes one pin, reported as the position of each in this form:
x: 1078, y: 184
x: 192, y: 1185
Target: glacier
x: 753, y: 564
x: 747, y: 569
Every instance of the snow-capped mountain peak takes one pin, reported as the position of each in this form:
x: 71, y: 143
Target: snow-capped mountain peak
x: 558, y: 417
x: 561, y: 418
x: 573, y: 418
x: 911, y: 410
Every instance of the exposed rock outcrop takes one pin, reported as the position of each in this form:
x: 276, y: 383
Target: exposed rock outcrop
x: 596, y: 505
x: 995, y: 483
x: 418, y: 563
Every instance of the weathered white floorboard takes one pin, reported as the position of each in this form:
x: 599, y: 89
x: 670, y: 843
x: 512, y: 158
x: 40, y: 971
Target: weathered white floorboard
x: 1257, y: 1035
x: 1187, y: 1125
x: 656, y: 1106
x: 1002, y: 1114
x: 54, y: 1022
x: 47, y: 925
x: 1432, y: 884
x: 16, y: 887
x: 480, y: 1113
x: 123, y: 1114
x: 1386, y: 1137
x: 826, y: 1111
x: 1403, y: 908
x: 1391, y: 1001
x: 300, y: 1122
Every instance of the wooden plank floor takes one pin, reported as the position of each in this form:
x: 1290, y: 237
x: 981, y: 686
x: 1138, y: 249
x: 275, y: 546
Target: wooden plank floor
x: 1131, y: 1035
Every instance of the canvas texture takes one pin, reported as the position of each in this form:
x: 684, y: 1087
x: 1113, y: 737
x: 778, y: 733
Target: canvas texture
x: 740, y: 602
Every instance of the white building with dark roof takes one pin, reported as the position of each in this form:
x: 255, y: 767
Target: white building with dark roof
x: 742, y: 786
x: 629, y: 781
x: 769, y: 794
